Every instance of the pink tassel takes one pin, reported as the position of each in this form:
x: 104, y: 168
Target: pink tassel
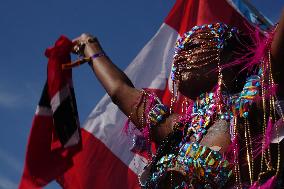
x: 232, y: 150
x: 270, y: 90
x: 257, y: 140
x: 269, y: 184
x: 257, y: 145
x: 126, y: 126
x: 125, y: 129
x: 268, y: 134
x: 254, y: 186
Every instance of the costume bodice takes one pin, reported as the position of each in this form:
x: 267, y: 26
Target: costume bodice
x: 183, y: 154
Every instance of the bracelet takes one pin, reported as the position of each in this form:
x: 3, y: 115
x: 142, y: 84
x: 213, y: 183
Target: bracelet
x: 158, y: 114
x: 94, y: 56
x: 99, y: 54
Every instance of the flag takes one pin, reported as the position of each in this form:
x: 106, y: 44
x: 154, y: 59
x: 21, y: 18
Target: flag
x: 105, y: 160
x: 55, y: 132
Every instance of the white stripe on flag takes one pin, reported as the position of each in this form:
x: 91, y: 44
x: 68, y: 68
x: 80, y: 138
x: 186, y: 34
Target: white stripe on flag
x: 59, y: 97
x: 43, y: 111
x: 75, y: 138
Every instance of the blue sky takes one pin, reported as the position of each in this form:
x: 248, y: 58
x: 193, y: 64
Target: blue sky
x: 28, y: 27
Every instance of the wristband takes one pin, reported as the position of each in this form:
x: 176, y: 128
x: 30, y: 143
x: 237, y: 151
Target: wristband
x: 99, y: 54
x: 94, y: 56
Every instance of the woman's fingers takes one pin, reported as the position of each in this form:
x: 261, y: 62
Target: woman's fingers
x: 82, y: 38
x: 76, y: 39
x: 81, y: 42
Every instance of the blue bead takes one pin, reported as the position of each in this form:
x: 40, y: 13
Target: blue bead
x: 195, y: 28
x: 159, y: 118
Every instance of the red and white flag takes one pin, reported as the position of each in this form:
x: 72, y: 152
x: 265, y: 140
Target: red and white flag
x: 55, y: 132
x: 105, y: 160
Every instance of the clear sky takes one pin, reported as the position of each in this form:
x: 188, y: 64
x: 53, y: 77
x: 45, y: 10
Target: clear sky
x: 28, y: 27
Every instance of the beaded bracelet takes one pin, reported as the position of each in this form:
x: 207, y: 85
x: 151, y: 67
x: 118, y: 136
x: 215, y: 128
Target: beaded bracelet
x: 99, y: 54
x: 158, y: 114
x: 96, y: 55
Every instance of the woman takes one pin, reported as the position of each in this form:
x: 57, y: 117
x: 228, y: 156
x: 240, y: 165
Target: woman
x: 201, y: 148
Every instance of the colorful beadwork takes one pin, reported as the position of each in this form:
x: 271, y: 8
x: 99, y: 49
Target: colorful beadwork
x: 220, y: 30
x: 158, y: 114
x: 242, y: 102
x: 197, y: 163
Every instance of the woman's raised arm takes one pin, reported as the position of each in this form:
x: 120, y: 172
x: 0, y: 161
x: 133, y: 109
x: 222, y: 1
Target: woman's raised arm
x: 120, y: 88
x: 116, y: 83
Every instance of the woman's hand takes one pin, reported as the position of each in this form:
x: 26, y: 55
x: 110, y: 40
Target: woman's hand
x: 87, y: 45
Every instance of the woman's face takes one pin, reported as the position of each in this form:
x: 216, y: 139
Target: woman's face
x: 203, y: 75
x: 197, y: 82
x: 200, y: 54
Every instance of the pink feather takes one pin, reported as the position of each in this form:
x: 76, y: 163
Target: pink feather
x: 251, y: 55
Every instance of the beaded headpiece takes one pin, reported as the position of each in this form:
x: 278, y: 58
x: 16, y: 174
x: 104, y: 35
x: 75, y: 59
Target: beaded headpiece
x: 207, y: 40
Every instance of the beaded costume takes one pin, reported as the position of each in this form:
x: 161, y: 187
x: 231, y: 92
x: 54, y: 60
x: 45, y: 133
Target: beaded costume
x: 181, y: 161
